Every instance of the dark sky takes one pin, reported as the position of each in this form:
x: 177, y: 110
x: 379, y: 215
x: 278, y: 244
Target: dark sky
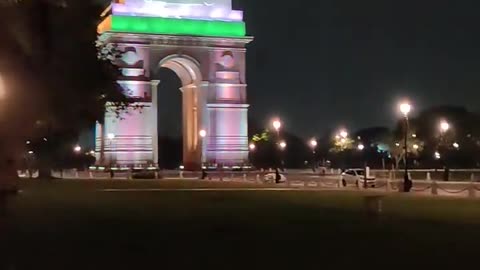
x: 330, y: 63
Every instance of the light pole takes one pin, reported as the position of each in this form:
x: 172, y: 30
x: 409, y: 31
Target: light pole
x: 252, y: 148
x: 203, y: 134
x: 444, y: 128
x: 405, y: 109
x: 277, y: 124
x: 360, y: 148
x: 283, y: 146
x: 313, y: 145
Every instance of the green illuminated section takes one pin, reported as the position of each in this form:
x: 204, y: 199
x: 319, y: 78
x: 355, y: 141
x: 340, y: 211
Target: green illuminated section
x: 154, y: 25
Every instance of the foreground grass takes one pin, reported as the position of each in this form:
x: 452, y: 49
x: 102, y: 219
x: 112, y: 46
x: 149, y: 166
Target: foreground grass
x: 73, y: 225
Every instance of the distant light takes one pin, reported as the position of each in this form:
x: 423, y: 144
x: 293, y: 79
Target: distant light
x: 405, y: 108
x: 30, y: 152
x: 397, y: 144
x: 28, y: 142
x: 252, y: 146
x: 415, y: 146
x: 344, y: 134
x: 45, y: 139
x: 444, y: 126
x: 361, y: 147
x: 277, y: 124
x: 77, y: 148
x: 202, y: 133
x: 343, y: 140
x: 283, y: 145
x: 181, y: 167
x: 456, y: 145
x: 111, y: 136
x: 437, y: 155
x: 92, y: 153
x: 414, y: 135
x: 313, y: 143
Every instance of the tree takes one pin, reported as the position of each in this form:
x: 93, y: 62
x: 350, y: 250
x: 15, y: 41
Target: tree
x: 56, y: 83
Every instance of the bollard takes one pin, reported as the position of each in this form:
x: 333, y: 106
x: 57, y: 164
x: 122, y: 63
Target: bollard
x: 156, y: 175
x: 244, y: 177
x: 76, y: 174
x: 472, y: 177
x: 388, y: 185
x: 180, y: 174
x: 429, y: 176
x: 90, y: 174
x: 471, y: 191
x: 434, y: 188
x: 129, y: 175
x: 257, y: 178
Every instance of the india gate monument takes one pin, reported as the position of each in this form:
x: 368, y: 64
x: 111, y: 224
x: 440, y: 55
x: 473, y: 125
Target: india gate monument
x: 203, y: 43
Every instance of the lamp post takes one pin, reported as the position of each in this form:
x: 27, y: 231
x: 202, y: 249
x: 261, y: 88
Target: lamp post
x: 283, y: 146
x: 277, y: 124
x: 444, y: 128
x: 405, y: 109
x: 202, y: 133
x: 313, y: 145
x: 360, y: 148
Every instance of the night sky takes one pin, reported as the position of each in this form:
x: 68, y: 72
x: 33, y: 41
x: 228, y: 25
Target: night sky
x: 330, y: 63
x: 326, y: 64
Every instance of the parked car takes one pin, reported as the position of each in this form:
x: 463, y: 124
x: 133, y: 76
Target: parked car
x: 270, y: 178
x: 357, y: 177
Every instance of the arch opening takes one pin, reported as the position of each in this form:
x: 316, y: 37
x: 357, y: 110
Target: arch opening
x: 186, y: 77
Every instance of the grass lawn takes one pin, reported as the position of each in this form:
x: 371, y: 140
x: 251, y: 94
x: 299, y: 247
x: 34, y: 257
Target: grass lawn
x: 73, y: 225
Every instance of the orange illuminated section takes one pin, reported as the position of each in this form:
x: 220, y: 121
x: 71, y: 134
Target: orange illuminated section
x: 105, y: 25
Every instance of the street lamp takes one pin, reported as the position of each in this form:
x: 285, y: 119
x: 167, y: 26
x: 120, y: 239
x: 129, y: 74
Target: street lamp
x: 415, y: 146
x: 456, y: 145
x: 444, y: 126
x: 283, y: 145
x: 361, y: 147
x: 203, y: 134
x: 405, y: 109
x: 277, y: 125
x: 252, y: 147
x: 344, y: 134
x: 77, y: 149
x: 313, y: 144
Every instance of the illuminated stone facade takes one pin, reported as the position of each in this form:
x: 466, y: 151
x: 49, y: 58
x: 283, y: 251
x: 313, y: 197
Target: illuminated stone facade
x: 212, y: 73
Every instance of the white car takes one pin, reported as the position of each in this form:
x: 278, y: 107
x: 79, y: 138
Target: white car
x: 270, y: 178
x: 357, y: 177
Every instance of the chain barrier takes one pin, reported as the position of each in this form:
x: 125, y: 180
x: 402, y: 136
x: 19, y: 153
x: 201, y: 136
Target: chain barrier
x: 453, y: 192
x: 421, y: 189
x: 327, y: 184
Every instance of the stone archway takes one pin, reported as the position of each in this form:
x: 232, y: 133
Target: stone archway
x: 206, y: 47
x: 193, y: 107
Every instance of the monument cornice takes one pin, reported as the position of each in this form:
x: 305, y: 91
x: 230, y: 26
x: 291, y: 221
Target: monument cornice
x: 152, y: 40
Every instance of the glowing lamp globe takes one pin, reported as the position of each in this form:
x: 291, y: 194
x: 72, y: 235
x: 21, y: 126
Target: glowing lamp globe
x: 405, y: 108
